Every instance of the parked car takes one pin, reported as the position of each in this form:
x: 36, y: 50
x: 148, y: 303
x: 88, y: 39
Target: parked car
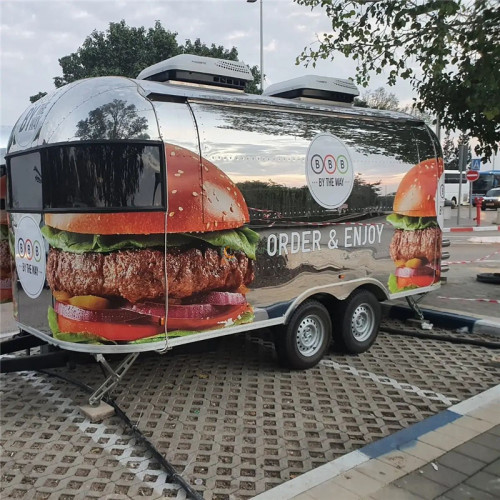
x: 491, y: 199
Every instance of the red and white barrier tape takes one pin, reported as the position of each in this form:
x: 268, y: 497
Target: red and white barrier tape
x: 491, y: 301
x: 471, y: 261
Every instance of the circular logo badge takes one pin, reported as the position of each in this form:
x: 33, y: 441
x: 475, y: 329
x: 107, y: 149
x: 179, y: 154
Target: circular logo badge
x: 329, y: 171
x: 30, y: 256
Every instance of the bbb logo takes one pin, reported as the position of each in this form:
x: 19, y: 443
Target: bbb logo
x: 329, y: 164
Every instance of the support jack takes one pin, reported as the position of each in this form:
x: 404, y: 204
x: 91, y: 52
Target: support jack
x: 114, y: 376
x: 419, y: 321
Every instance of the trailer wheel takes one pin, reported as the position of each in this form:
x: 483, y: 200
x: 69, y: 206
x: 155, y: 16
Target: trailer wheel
x: 304, y: 340
x: 360, y: 316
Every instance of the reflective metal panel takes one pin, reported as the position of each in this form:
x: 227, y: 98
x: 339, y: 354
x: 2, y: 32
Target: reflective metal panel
x: 107, y: 108
x: 269, y: 146
x: 302, y: 243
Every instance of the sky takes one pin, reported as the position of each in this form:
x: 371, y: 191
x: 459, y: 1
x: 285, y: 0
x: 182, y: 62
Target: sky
x: 34, y: 34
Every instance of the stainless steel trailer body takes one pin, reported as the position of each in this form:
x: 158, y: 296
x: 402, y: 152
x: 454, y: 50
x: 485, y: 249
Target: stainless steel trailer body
x: 282, y: 204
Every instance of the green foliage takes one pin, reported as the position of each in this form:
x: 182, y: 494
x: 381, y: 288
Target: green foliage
x: 253, y: 87
x: 123, y: 50
x: 448, y: 49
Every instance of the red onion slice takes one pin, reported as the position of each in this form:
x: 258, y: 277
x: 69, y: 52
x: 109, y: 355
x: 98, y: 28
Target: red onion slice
x: 103, y: 315
x: 149, y: 308
x: 408, y: 272
x: 223, y: 298
x: 194, y: 311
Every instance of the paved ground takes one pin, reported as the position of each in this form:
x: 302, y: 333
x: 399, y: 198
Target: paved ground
x: 231, y: 421
x: 454, y: 455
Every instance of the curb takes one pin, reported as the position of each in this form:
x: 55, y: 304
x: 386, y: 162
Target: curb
x: 445, y: 319
x: 480, y: 407
x: 472, y: 228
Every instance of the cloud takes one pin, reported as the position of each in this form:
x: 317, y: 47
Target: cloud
x: 271, y: 46
x: 237, y: 35
x: 39, y: 32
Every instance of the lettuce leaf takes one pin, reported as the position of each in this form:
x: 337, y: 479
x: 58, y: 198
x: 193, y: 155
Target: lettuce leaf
x: 242, y: 239
x: 392, y: 284
x: 411, y: 223
x: 82, y: 243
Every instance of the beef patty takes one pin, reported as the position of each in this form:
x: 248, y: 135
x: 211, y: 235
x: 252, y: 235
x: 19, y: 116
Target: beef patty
x: 422, y: 243
x: 140, y: 274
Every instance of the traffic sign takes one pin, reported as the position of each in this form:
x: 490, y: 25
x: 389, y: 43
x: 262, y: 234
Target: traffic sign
x: 472, y: 175
x: 475, y: 164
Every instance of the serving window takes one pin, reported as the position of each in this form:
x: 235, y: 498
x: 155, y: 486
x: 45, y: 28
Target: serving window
x: 88, y: 177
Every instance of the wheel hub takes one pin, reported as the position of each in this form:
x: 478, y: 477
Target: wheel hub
x: 362, y: 322
x: 309, y: 335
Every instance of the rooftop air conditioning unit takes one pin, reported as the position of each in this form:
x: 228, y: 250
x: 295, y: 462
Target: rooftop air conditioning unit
x: 191, y: 69
x: 317, y: 89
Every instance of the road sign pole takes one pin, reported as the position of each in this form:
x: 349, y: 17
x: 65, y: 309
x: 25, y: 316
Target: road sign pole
x: 462, y: 161
x: 470, y: 200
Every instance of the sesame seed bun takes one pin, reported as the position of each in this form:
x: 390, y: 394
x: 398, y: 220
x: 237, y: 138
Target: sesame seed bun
x: 416, y: 195
x: 201, y: 198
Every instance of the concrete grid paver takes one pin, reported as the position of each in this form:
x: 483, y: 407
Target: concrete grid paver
x: 232, y: 422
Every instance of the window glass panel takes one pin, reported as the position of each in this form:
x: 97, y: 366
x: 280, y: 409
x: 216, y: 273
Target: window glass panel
x: 26, y: 182
x: 112, y: 175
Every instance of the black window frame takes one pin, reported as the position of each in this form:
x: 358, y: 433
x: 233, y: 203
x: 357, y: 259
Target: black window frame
x: 43, y: 209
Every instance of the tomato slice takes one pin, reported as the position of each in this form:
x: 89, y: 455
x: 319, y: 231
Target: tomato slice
x: 108, y: 330
x: 218, y: 320
x: 418, y: 281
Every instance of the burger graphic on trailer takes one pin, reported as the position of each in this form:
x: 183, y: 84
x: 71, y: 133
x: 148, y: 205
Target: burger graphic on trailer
x: 109, y: 274
x: 416, y: 244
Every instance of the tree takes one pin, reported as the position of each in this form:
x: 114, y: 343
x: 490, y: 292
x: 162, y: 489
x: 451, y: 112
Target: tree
x: 114, y: 120
x: 448, y: 49
x: 125, y: 51
x: 378, y: 99
x: 450, y: 153
x: 381, y: 99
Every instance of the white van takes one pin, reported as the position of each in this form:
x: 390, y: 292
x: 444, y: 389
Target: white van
x: 452, y: 190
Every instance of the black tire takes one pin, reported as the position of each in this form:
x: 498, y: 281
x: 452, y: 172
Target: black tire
x: 493, y: 278
x: 483, y: 208
x: 360, y: 316
x: 302, y: 343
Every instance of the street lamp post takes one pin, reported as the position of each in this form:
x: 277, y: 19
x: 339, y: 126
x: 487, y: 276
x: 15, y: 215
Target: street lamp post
x: 261, y: 47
